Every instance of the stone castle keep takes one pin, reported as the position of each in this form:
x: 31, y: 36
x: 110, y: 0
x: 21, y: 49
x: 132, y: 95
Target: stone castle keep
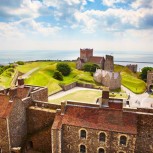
x: 29, y: 124
x: 105, y: 75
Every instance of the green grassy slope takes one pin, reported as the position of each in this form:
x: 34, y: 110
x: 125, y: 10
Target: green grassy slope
x: 6, y: 78
x: 131, y: 80
x: 44, y: 75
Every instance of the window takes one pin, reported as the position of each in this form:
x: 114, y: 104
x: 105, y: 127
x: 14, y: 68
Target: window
x: 123, y: 140
x: 101, y: 150
x: 0, y: 150
x: 83, y: 134
x: 102, y: 137
x: 121, y: 152
x: 82, y: 148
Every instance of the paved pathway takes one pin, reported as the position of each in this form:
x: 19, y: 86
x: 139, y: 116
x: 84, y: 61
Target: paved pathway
x: 135, y: 100
x: 138, y: 100
x: 26, y: 75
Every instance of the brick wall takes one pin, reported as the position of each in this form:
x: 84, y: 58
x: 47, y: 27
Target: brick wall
x: 4, y: 142
x: 41, y: 94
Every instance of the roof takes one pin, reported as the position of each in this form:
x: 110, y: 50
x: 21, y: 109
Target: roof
x: 5, y: 106
x: 99, y: 118
x: 96, y: 59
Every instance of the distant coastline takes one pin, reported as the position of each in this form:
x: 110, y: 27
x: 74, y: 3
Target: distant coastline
x: 124, y: 58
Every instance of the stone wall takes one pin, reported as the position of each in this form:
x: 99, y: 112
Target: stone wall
x: 41, y: 140
x: 4, y: 142
x: 17, y: 124
x: 68, y: 87
x: 41, y: 94
x: 145, y: 134
x: 40, y: 121
x: 85, y: 85
x: 72, y: 141
x: 39, y: 118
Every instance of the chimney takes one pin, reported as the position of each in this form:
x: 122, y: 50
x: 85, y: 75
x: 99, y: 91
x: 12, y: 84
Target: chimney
x: 20, y: 82
x: 105, y: 98
x: 63, y: 107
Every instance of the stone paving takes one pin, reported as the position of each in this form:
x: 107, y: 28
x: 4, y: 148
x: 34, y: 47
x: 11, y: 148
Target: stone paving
x: 139, y: 100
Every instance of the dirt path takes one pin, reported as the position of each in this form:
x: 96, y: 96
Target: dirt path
x: 26, y: 75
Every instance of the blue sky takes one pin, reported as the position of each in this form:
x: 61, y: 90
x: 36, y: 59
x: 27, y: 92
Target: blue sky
x: 117, y: 25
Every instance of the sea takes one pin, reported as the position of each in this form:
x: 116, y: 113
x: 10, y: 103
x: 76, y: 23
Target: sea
x: 142, y: 59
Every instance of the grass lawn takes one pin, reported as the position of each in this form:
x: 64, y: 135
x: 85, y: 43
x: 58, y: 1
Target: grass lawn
x: 44, y: 75
x: 89, y: 96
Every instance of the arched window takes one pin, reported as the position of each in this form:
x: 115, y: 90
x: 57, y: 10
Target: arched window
x: 102, y: 137
x: 121, y: 152
x: 83, y: 134
x: 82, y: 148
x: 123, y: 140
x: 101, y: 150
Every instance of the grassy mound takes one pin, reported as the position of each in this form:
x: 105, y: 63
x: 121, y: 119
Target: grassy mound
x: 130, y: 80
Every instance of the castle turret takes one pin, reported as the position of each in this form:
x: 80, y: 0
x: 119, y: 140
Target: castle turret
x: 109, y: 63
x: 85, y: 54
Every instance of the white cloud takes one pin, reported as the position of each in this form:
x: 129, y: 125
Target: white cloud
x: 111, y: 3
x: 25, y: 9
x: 26, y: 27
x: 142, y: 4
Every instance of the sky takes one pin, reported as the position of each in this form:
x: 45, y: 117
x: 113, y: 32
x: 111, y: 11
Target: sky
x: 117, y: 25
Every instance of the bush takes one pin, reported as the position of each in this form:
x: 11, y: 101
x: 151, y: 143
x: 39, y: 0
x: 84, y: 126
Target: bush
x: 58, y: 75
x: 90, y: 67
x: 11, y: 70
x: 20, y: 62
x: 64, y: 68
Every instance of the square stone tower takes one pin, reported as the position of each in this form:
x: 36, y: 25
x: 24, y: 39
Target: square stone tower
x: 85, y: 54
x: 109, y: 63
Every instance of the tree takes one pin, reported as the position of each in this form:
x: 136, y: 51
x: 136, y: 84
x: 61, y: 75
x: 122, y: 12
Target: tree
x: 87, y: 67
x: 94, y: 67
x: 143, y: 74
x: 64, y: 68
x: 90, y: 67
x: 58, y: 75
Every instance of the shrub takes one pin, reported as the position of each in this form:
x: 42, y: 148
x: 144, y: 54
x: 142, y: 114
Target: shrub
x: 11, y: 70
x: 64, y: 68
x: 90, y: 67
x: 20, y: 62
x: 58, y: 75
